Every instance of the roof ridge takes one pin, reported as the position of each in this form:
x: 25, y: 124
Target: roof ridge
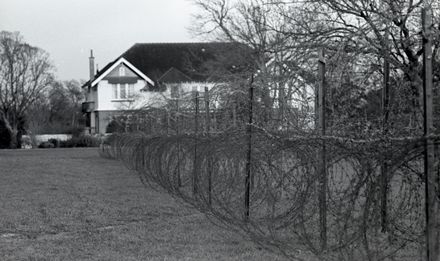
x: 145, y: 56
x: 173, y: 43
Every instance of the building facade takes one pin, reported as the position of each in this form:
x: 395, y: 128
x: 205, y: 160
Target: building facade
x: 147, y: 74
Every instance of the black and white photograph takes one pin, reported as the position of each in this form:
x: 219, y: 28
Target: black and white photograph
x: 204, y: 130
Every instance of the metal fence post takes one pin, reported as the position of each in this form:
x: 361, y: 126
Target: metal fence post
x: 322, y: 171
x: 385, y: 115
x: 177, y: 119
x: 196, y: 136
x: 249, y: 152
x: 209, y: 158
x: 431, y: 201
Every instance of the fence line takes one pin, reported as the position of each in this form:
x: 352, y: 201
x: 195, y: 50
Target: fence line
x: 334, y: 188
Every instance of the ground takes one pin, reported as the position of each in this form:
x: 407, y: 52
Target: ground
x: 71, y: 204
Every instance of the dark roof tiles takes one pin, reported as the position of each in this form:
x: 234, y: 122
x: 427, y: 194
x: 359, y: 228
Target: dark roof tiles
x: 174, y: 76
x: 183, y: 61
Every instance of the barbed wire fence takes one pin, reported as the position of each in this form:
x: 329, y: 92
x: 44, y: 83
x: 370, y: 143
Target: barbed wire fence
x: 352, y: 186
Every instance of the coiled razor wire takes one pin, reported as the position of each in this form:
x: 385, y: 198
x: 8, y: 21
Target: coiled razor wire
x: 209, y: 171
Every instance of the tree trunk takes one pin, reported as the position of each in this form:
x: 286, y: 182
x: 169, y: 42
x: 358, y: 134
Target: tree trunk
x: 12, y: 129
x: 14, y: 139
x: 73, y: 119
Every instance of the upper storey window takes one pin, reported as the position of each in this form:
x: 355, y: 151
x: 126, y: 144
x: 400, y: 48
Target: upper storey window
x: 122, y: 71
x: 123, y: 91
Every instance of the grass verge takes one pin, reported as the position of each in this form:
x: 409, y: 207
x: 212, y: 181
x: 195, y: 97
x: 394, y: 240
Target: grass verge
x: 70, y: 204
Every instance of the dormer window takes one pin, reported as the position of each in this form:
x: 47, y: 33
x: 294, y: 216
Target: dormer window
x: 122, y: 71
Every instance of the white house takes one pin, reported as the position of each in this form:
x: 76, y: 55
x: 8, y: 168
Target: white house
x: 146, y: 73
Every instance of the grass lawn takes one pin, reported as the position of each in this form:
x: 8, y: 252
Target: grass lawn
x: 71, y: 204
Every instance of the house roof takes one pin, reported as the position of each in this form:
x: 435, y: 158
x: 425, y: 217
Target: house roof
x: 181, y: 62
x: 174, y: 76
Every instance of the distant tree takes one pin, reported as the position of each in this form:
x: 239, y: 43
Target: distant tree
x: 38, y: 115
x: 25, y: 72
x: 58, y: 110
x: 76, y: 96
x: 65, y: 102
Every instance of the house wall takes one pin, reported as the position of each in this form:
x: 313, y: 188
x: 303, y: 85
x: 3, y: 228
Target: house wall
x: 46, y: 137
x: 193, y: 86
x: 93, y: 122
x: 142, y: 99
x: 106, y: 106
x: 106, y: 102
x: 104, y: 118
x: 91, y: 94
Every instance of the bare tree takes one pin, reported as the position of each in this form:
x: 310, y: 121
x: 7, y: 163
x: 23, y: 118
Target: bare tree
x: 283, y: 76
x: 25, y: 72
x: 358, y: 35
x: 65, y: 100
x: 57, y: 110
x: 369, y: 32
x: 373, y: 48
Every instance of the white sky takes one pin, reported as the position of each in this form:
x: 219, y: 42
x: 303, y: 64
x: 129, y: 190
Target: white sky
x: 68, y: 29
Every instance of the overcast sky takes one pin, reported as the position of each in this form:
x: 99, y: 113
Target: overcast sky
x: 68, y: 29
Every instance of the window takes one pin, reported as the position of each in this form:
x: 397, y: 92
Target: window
x: 122, y: 71
x: 174, y: 91
x: 122, y: 91
x: 130, y: 90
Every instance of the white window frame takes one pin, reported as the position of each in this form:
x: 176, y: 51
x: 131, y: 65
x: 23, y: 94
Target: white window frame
x: 122, y: 70
x: 117, y: 90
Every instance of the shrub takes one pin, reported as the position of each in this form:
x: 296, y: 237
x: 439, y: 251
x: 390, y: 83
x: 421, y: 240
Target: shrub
x: 66, y: 143
x: 81, y: 141
x: 87, y: 141
x: 46, y: 145
x: 76, y: 131
x: 26, y: 142
x: 34, y: 141
x: 115, y: 126
x: 55, y: 142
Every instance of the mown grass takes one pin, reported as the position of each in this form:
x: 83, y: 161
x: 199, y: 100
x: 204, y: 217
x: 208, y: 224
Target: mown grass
x: 71, y: 204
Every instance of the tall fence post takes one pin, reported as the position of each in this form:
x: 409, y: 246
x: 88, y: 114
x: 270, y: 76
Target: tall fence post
x: 150, y: 125
x: 168, y: 122
x: 196, y: 136
x: 179, y: 179
x: 207, y: 112
x: 249, y: 153
x: 431, y: 201
x: 234, y: 114
x: 208, y: 129
x: 322, y: 170
x: 142, y: 152
x: 214, y: 118
x: 385, y: 115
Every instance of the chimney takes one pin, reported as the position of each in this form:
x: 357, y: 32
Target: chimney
x: 92, y: 65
